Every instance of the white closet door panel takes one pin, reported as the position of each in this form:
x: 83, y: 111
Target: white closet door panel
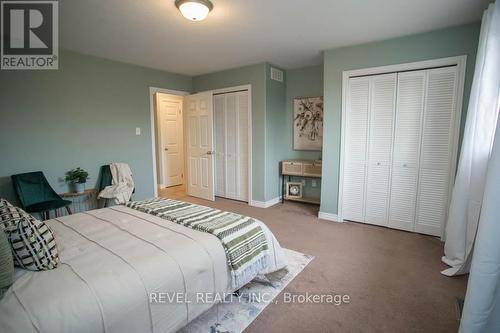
x: 439, y: 118
x: 383, y: 95
x: 436, y: 151
x: 407, y: 136
x: 220, y: 145
x: 243, y: 145
x: 355, y: 149
x: 399, y: 136
x: 382, y: 99
x: 432, y: 201
x: 354, y: 192
x: 231, y: 124
x: 357, y: 119
x: 232, y: 167
x: 377, y: 194
x: 403, y: 198
x: 410, y: 104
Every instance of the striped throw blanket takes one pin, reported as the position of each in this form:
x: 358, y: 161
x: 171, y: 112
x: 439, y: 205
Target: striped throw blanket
x: 242, y: 237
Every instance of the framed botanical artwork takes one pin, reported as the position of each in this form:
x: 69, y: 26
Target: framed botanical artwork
x: 308, y: 123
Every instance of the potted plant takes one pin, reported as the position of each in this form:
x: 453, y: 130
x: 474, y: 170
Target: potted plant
x: 77, y: 179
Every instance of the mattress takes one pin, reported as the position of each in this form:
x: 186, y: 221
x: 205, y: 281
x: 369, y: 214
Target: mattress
x: 122, y: 270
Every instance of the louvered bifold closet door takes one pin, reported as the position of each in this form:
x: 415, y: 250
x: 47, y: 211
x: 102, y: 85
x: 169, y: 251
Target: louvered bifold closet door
x: 436, y: 150
x: 231, y: 145
x: 243, y: 157
x: 220, y: 145
x: 356, y: 122
x: 232, y: 165
x: 407, y: 136
x: 381, y: 115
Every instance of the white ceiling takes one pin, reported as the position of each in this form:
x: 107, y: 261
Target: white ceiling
x: 288, y: 33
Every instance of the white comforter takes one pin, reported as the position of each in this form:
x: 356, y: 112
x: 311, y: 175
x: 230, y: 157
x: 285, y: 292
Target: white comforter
x: 113, y: 260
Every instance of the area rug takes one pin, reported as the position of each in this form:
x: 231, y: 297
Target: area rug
x: 237, y: 311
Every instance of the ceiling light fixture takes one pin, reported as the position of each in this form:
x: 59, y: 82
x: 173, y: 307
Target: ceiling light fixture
x: 194, y: 10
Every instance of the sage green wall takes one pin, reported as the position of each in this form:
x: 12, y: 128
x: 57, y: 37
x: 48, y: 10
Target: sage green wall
x: 276, y: 132
x: 302, y: 82
x: 254, y: 75
x: 83, y: 114
x: 436, y: 44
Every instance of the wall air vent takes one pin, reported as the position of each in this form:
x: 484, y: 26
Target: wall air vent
x: 276, y: 74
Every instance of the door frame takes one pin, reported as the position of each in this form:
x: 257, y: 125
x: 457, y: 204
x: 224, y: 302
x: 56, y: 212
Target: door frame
x: 152, y: 91
x: 459, y: 61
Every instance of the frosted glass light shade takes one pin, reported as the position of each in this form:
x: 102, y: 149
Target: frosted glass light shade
x: 194, y: 10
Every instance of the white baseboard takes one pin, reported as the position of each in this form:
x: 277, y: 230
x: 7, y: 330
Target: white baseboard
x: 265, y: 204
x: 329, y: 217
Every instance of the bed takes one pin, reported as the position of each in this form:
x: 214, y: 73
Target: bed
x: 123, y: 270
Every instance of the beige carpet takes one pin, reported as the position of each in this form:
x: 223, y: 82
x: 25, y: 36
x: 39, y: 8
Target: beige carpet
x: 392, y: 277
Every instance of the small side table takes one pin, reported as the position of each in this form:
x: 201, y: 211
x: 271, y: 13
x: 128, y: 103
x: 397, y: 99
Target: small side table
x: 303, y: 169
x: 81, y: 202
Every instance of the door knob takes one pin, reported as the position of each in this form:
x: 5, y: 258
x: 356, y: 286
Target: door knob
x: 166, y: 149
x: 210, y: 152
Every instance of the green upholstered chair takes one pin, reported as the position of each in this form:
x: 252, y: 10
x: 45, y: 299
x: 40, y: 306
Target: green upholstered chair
x: 35, y: 194
x: 106, y: 177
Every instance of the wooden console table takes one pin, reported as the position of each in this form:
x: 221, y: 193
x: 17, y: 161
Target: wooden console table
x: 299, y: 168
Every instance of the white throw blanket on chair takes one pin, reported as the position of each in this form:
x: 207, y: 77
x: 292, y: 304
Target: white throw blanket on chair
x: 122, y: 185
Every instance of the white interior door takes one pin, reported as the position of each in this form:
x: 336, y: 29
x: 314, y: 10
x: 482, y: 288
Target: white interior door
x: 400, y: 145
x: 171, y: 139
x: 410, y: 106
x: 231, y: 145
x: 382, y: 108
x: 436, y: 151
x: 243, y: 114
x: 353, y: 194
x: 200, y: 145
x: 220, y: 144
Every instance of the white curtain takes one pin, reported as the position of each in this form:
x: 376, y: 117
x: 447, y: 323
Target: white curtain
x: 467, y: 196
x: 482, y: 303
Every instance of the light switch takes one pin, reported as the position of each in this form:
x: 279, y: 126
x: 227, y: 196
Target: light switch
x: 137, y: 131
x: 314, y: 183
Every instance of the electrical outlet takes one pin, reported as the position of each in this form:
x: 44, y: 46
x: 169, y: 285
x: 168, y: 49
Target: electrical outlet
x: 137, y: 131
x: 314, y: 183
x: 303, y: 182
